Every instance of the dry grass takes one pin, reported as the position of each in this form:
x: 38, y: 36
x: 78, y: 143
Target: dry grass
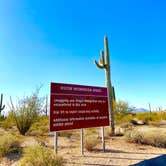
x: 155, y: 137
x: 40, y: 127
x: 40, y: 156
x: 8, y: 144
x: 146, y: 118
x: 67, y: 134
x: 119, y: 131
x: 7, y: 123
x: 90, y: 142
x: 118, y: 151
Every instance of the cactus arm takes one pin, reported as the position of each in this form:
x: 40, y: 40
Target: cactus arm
x: 3, y: 107
x: 100, y: 66
x: 102, y: 59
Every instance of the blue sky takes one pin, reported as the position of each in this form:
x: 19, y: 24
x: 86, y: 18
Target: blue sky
x: 43, y: 41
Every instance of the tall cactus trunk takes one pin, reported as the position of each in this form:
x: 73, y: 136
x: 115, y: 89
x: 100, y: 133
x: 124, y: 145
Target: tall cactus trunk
x: 109, y: 85
x: 105, y: 64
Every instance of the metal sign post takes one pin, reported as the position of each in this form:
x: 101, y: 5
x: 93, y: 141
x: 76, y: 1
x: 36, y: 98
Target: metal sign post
x: 82, y: 142
x: 103, y: 139
x: 56, y: 142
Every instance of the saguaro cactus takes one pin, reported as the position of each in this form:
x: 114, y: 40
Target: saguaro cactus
x: 105, y: 64
x: 1, y: 107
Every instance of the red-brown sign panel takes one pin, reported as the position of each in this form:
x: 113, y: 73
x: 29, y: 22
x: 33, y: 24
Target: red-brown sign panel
x: 77, y: 106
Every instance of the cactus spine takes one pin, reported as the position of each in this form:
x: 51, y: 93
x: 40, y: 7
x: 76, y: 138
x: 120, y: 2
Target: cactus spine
x: 1, y: 107
x: 105, y: 64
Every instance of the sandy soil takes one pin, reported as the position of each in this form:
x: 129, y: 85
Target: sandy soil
x: 118, y: 152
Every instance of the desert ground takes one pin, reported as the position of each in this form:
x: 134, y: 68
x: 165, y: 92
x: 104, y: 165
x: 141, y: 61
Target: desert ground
x: 118, y: 151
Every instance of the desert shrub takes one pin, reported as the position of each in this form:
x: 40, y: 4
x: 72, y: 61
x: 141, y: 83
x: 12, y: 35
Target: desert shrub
x: 40, y: 156
x: 8, y: 143
x: 90, y: 142
x: 67, y: 134
x: 92, y: 131
x: 149, y: 117
x: 40, y: 127
x: 26, y: 112
x: 119, y: 131
x: 2, y: 117
x: 152, y: 117
x: 123, y: 118
x: 145, y: 118
x: 134, y: 136
x: 163, y: 114
x: 156, y: 124
x: 8, y: 122
x: 126, y: 126
x: 107, y: 132
x: 147, y: 137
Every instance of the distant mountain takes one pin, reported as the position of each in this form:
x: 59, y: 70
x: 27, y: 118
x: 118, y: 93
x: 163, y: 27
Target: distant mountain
x: 140, y: 110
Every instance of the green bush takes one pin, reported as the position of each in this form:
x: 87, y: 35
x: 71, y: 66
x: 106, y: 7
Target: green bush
x: 8, y: 144
x: 152, y: 137
x: 40, y: 156
x: 26, y: 112
x: 90, y: 142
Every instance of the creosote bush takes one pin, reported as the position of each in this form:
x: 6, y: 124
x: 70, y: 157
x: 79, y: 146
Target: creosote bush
x: 8, y: 144
x: 40, y: 156
x: 90, y: 142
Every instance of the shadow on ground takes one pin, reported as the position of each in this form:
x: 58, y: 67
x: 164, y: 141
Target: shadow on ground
x: 157, y: 161
x: 121, y: 151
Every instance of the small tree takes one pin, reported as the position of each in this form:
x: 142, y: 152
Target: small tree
x: 123, y: 108
x: 26, y: 111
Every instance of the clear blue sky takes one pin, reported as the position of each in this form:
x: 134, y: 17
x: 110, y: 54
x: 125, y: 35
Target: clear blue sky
x: 43, y: 41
